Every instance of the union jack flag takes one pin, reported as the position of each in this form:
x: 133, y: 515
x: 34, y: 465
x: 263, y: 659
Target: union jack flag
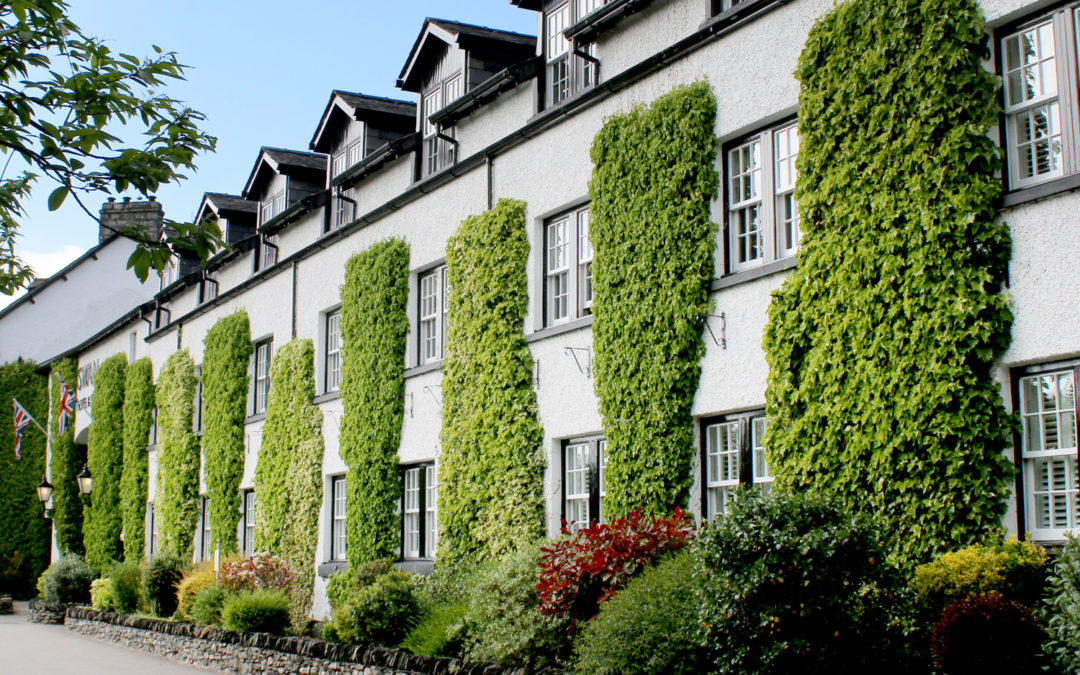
x: 22, y: 420
x: 67, y: 406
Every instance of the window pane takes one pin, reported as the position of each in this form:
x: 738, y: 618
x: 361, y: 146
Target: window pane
x: 1055, y: 491
x: 1048, y: 412
x: 576, y: 485
x: 722, y: 464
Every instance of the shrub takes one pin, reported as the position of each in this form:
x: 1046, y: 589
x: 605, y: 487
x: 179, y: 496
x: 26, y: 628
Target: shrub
x: 260, y: 571
x: 434, y: 634
x: 261, y: 611
x: 503, y: 622
x: 650, y: 626
x: 583, y: 569
x: 1061, y: 611
x: 790, y: 583
x: 344, y: 585
x: 962, y: 639
x: 381, y: 613
x: 194, y: 580
x: 207, y: 605
x: 1013, y: 569
x: 101, y: 595
x: 126, y: 580
x: 160, y: 578
x: 66, y: 581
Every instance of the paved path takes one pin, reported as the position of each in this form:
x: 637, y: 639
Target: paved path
x: 35, y: 648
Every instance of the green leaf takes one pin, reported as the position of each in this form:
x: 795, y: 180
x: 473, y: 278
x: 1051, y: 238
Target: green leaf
x: 56, y: 199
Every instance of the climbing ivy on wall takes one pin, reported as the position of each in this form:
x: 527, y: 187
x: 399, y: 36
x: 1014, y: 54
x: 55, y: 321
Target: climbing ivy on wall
x: 24, y: 533
x: 65, y: 461
x: 652, y: 185
x: 105, y: 458
x: 176, y: 502
x: 224, y: 389
x: 138, y: 418
x: 491, y: 468
x: 880, y: 345
x: 374, y: 329
x: 288, y: 474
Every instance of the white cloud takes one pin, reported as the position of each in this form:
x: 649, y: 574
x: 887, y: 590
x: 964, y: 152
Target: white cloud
x: 45, y: 265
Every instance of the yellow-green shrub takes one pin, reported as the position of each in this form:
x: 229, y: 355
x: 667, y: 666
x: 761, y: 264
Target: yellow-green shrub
x: 194, y: 580
x: 101, y: 595
x: 1012, y: 569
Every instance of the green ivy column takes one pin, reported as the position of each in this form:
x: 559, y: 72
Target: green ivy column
x: 24, y: 532
x: 491, y: 468
x: 138, y: 418
x: 65, y: 462
x: 881, y: 344
x: 374, y: 330
x: 225, y: 388
x: 105, y: 458
x: 652, y: 186
x: 288, y: 474
x: 177, y: 499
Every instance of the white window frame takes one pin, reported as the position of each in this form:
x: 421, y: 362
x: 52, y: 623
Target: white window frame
x: 1044, y: 426
x: 261, y: 375
x: 584, y: 465
x: 431, y: 314
x: 438, y: 152
x: 762, y: 216
x: 732, y: 453
x: 248, y: 505
x: 419, y: 522
x: 566, y: 72
x: 332, y: 360
x: 568, y: 262
x: 338, y: 510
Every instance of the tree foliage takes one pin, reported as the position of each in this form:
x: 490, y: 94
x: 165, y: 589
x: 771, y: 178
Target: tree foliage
x: 651, y: 190
x: 105, y: 459
x: 374, y: 329
x: 288, y: 475
x: 176, y: 500
x: 138, y: 418
x: 224, y: 390
x: 491, y: 468
x: 65, y: 461
x: 64, y: 94
x: 881, y: 344
x: 24, y: 543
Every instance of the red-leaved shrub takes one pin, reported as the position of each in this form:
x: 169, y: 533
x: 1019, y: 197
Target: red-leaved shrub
x: 260, y: 571
x: 986, y: 634
x: 587, y: 567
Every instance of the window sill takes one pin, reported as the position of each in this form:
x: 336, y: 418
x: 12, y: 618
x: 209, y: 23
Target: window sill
x: 252, y: 419
x: 559, y: 329
x: 426, y: 368
x: 328, y: 396
x: 332, y: 567
x: 425, y: 567
x: 766, y: 270
x: 1041, y: 191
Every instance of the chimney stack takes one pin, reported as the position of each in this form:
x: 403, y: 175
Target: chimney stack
x: 147, y: 216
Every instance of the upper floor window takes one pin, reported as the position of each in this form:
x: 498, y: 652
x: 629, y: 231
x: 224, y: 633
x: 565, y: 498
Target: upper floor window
x: 333, y: 351
x: 267, y: 253
x: 170, y: 274
x: 208, y: 288
x: 261, y: 383
x: 349, y: 149
x: 432, y: 314
x: 418, y: 513
x: 1037, y: 72
x: 567, y: 72
x: 271, y: 207
x: 1049, y: 453
x: 248, y: 543
x: 584, y: 462
x: 733, y: 453
x: 439, y: 153
x: 568, y: 257
x: 762, y: 215
x: 337, y: 520
x: 343, y: 210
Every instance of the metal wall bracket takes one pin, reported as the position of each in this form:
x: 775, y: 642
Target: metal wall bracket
x: 720, y: 342
x: 430, y: 390
x: 584, y: 364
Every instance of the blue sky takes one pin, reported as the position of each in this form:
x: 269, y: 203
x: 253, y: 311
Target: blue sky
x: 262, y: 73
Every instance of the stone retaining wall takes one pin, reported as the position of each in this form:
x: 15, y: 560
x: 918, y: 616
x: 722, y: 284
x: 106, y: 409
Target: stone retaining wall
x: 231, y: 652
x: 46, y: 612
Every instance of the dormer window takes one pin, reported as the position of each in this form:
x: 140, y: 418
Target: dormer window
x: 568, y: 72
x: 349, y: 149
x: 439, y: 152
x: 271, y: 207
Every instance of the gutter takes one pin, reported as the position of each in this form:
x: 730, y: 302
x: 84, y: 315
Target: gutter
x: 504, y: 80
x: 590, y: 26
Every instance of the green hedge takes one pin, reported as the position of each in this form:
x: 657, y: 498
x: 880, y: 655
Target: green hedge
x: 374, y: 329
x: 651, y: 191
x: 65, y: 462
x: 176, y: 502
x: 288, y: 475
x: 224, y: 391
x: 491, y: 468
x: 881, y: 344
x: 24, y: 529
x: 138, y: 418
x: 105, y: 458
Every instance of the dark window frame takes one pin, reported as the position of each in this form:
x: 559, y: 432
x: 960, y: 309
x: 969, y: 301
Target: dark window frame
x: 205, y: 535
x: 421, y: 468
x: 596, y: 443
x: 745, y: 420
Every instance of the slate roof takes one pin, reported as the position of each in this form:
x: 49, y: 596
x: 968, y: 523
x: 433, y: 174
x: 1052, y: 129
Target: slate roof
x: 465, y: 36
x: 390, y: 106
x: 226, y: 202
x: 303, y: 160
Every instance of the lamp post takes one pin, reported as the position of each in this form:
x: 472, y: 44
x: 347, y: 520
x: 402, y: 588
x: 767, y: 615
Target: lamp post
x: 86, y: 483
x: 44, y: 493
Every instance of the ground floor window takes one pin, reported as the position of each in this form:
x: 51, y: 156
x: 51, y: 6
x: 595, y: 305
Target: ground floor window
x: 733, y: 453
x: 419, y: 516
x: 206, y: 552
x: 584, y: 461
x: 248, y: 521
x: 1046, y: 399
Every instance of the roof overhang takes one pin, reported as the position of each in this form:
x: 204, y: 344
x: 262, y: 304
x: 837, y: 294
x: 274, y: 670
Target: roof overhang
x: 429, y: 39
x: 336, y: 107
